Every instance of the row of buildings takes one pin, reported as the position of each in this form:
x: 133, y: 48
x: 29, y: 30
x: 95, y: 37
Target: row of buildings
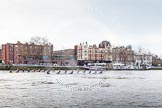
x: 81, y: 54
x: 116, y: 57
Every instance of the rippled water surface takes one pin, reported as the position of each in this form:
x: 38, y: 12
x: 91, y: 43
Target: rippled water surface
x: 112, y: 89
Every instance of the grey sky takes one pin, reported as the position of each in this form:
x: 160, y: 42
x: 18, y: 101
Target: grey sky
x: 69, y: 22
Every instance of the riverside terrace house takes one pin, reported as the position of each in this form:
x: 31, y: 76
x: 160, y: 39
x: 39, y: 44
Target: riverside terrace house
x: 93, y: 53
x: 122, y: 54
x: 65, y: 57
x: 19, y: 53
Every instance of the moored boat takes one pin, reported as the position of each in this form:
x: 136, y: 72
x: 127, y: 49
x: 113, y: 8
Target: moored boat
x: 95, y: 66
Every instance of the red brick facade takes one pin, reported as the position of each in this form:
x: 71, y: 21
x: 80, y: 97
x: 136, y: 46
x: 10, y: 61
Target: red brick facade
x: 7, y: 53
x: 92, y: 52
x: 20, y: 53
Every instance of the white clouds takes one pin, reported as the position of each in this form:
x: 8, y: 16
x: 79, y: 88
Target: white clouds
x: 84, y: 29
x: 69, y: 22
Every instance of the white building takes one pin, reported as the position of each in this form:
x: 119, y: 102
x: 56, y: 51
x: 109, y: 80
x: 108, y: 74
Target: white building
x: 143, y: 59
x: 82, y: 51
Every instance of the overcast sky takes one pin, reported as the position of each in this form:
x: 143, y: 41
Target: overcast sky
x: 69, y: 22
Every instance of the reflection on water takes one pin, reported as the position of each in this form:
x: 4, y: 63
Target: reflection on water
x: 114, y: 89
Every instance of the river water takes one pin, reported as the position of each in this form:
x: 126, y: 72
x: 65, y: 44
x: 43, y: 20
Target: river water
x: 111, y: 89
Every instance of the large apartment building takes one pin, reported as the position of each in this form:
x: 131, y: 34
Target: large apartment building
x: 93, y: 54
x: 19, y: 53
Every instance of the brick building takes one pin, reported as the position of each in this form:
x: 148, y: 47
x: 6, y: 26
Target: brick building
x: 65, y: 57
x: 93, y: 54
x: 7, y: 53
x: 19, y: 53
x: 156, y: 61
x: 124, y: 55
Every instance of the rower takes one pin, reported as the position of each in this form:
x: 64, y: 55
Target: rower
x: 84, y: 71
x: 78, y: 71
x: 90, y: 71
x: 48, y: 71
x: 95, y: 72
x: 71, y: 72
x: 17, y: 70
x: 101, y: 72
x: 65, y: 71
x: 58, y: 72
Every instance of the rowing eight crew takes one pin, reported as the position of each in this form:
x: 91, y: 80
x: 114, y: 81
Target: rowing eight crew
x: 59, y: 72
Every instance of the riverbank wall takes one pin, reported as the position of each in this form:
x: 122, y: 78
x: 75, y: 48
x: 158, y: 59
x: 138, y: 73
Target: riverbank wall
x: 11, y: 67
x: 36, y: 67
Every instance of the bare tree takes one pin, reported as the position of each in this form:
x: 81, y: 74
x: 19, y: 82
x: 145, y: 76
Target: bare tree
x: 123, y: 55
x: 38, y: 40
x: 38, y: 45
